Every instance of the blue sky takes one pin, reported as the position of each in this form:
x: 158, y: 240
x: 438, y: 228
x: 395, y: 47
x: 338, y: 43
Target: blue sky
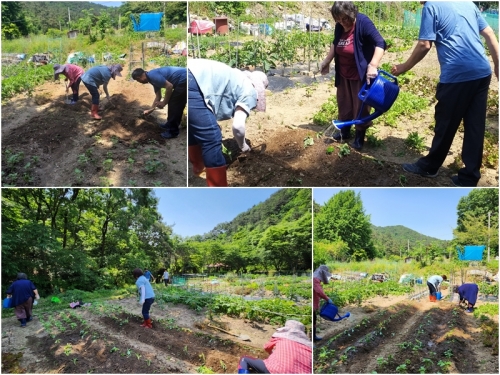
x: 197, y: 211
x: 109, y: 3
x: 430, y: 211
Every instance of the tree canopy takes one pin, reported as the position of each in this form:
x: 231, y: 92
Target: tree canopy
x: 87, y: 239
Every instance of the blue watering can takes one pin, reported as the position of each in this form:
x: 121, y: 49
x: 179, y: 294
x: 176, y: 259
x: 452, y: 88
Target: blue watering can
x: 331, y: 312
x: 380, y: 94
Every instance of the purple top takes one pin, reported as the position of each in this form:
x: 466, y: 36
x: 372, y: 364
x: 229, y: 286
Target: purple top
x: 366, y: 38
x: 468, y: 292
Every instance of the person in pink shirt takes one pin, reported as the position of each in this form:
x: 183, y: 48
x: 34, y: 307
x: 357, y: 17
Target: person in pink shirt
x: 321, y: 275
x: 290, y: 352
x: 73, y: 74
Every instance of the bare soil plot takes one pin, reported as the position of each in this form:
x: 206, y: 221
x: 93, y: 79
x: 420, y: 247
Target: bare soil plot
x: 46, y: 142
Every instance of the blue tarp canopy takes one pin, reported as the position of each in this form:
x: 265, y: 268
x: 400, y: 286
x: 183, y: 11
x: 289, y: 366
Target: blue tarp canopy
x: 471, y: 253
x: 147, y: 22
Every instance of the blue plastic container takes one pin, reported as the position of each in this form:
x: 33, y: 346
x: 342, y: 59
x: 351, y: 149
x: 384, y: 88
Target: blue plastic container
x: 331, y: 312
x: 381, y: 93
x: 438, y: 295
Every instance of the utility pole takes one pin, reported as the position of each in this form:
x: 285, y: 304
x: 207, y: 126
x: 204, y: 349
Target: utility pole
x: 69, y: 19
x: 164, y: 19
x: 489, y: 216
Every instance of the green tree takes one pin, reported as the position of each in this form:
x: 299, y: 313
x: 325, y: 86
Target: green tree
x: 477, y: 203
x: 343, y: 218
x: 14, y: 22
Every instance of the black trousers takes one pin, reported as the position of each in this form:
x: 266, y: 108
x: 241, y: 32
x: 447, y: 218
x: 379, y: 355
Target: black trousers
x: 254, y: 364
x: 465, y: 101
x: 432, y: 289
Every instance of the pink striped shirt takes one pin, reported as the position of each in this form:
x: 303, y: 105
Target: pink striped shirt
x: 288, y: 357
x: 72, y: 72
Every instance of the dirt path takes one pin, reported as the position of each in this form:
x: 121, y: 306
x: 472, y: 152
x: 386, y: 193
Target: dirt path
x: 46, y: 142
x: 280, y: 158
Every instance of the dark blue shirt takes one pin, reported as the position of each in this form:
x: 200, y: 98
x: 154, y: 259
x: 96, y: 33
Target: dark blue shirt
x: 468, y: 292
x: 147, y: 275
x: 21, y: 291
x: 366, y: 38
x: 173, y: 74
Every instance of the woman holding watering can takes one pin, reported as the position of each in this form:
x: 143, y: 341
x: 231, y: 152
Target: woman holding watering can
x: 321, y: 275
x: 22, y: 292
x: 357, y: 49
x: 434, y: 283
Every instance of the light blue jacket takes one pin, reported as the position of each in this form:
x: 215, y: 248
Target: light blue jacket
x: 223, y: 87
x: 97, y: 76
x: 145, y: 288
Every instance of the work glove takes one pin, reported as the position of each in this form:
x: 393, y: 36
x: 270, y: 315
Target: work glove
x: 330, y: 301
x: 35, y: 302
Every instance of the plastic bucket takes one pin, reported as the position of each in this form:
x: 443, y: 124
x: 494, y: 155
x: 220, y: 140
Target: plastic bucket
x: 438, y: 295
x: 381, y: 93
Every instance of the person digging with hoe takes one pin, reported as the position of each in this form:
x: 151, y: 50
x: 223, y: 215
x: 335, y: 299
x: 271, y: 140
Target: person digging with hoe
x: 94, y: 78
x: 173, y: 80
x: 290, y: 352
x: 455, y: 28
x: 73, y: 74
x: 218, y: 92
x: 146, y: 296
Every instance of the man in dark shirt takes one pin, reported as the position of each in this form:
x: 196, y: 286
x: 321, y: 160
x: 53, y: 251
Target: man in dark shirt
x: 173, y: 80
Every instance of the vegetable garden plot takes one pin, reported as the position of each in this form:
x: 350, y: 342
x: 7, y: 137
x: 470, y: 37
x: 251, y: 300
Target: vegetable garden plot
x: 46, y: 142
x: 111, y: 341
x: 408, y: 339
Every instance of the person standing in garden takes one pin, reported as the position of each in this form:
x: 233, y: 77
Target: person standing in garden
x: 219, y: 92
x: 146, y: 296
x: 462, y: 92
x: 321, y: 275
x: 434, y: 284
x: 467, y: 292
x: 290, y: 352
x: 22, y: 291
x: 73, y: 74
x: 94, y: 78
x: 173, y: 80
x: 357, y: 49
x: 165, y: 277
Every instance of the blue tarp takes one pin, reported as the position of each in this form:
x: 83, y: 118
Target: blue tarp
x: 471, y: 253
x: 147, y: 22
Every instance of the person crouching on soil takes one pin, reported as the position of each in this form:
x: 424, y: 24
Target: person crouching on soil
x: 321, y: 275
x: 434, y: 283
x: 146, y: 296
x: 468, y: 294
x: 290, y: 352
x: 73, y: 74
x: 94, y: 78
x: 173, y: 80
x: 218, y: 92
x: 22, y: 292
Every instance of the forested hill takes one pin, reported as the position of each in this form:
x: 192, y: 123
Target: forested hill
x: 393, y: 238
x: 284, y: 206
x: 39, y: 16
x: 54, y: 14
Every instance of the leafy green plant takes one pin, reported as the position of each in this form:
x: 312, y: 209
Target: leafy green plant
x: 330, y: 150
x: 308, y: 141
x: 415, y: 142
x: 152, y: 166
x: 344, y: 150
